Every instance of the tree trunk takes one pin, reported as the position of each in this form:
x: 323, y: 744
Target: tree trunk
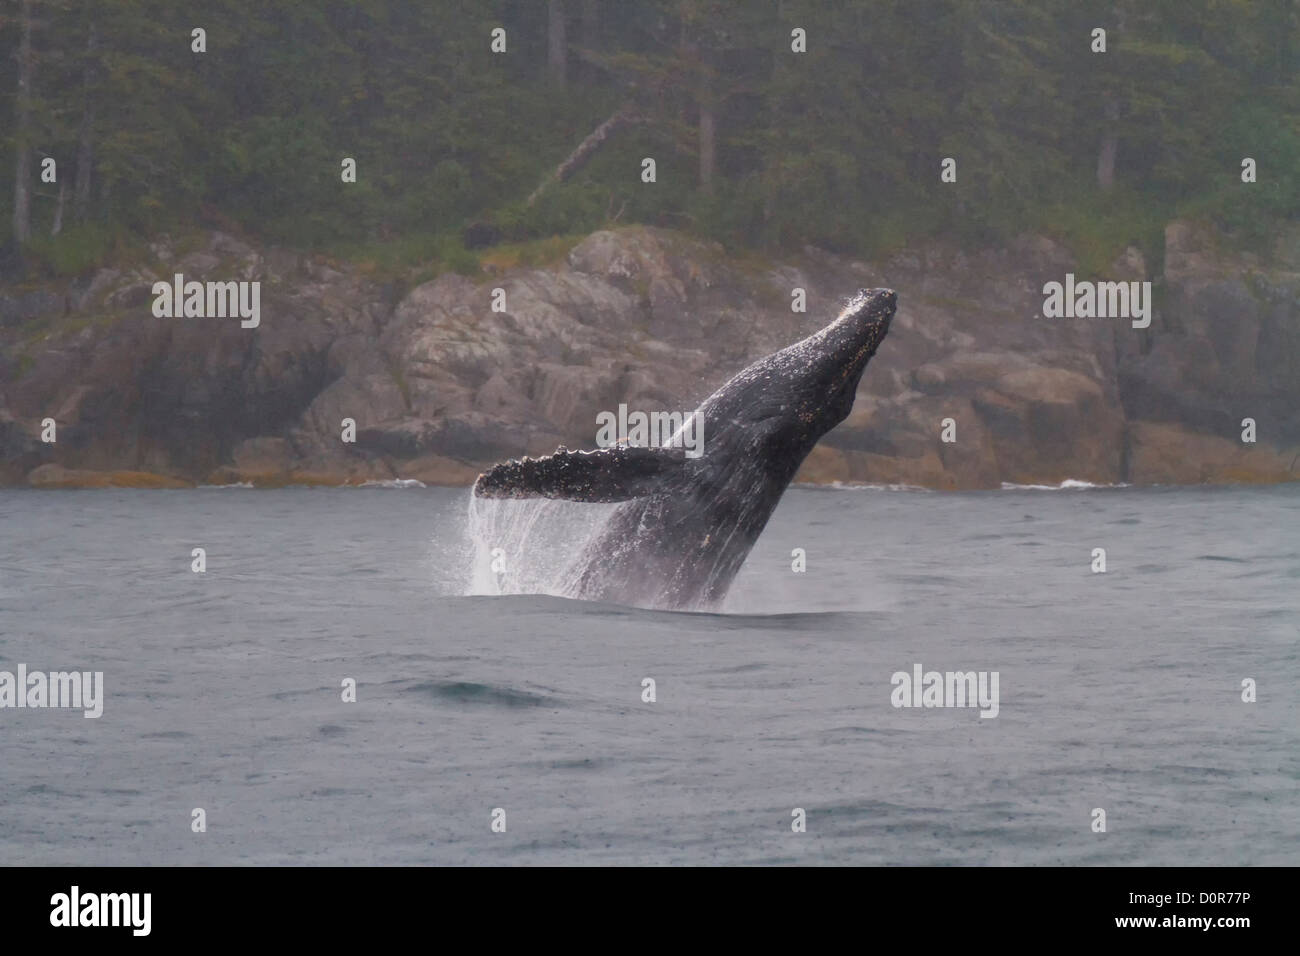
x: 22, y: 111
x: 557, y: 48
x: 591, y: 24
x: 1109, y: 145
x: 708, y: 134
x: 85, y: 151
x: 708, y: 148
x: 590, y: 38
x: 585, y: 150
x: 1110, y: 111
x: 57, y: 226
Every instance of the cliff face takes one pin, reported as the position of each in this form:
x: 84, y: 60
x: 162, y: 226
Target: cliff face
x: 440, y: 385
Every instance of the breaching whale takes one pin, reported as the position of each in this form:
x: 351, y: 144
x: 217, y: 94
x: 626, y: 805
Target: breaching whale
x: 685, y: 523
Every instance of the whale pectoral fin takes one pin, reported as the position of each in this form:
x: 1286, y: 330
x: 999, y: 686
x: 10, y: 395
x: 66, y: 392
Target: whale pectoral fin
x: 609, y: 474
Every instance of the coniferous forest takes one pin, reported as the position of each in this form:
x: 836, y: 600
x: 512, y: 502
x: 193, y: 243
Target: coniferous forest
x: 458, y: 146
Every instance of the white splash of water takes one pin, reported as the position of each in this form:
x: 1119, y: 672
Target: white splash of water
x: 527, y: 546
x: 1070, y: 484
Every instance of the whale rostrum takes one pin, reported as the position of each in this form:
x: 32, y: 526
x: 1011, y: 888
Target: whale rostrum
x: 686, y: 524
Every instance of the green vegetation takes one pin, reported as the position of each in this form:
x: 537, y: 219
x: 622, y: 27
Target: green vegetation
x: 1101, y: 230
x: 386, y: 259
x: 757, y: 147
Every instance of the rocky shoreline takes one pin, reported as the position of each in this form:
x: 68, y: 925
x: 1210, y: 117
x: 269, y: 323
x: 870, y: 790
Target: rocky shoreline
x: 439, y: 385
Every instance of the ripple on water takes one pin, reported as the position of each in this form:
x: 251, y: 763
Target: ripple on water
x: 470, y: 692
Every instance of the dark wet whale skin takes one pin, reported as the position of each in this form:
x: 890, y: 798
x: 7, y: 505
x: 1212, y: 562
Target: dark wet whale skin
x: 682, y: 545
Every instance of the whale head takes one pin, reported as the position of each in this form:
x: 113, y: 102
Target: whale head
x: 808, y: 388
x: 842, y: 349
x: 863, y: 321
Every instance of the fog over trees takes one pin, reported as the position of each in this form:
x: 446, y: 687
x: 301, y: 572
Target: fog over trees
x: 755, y: 144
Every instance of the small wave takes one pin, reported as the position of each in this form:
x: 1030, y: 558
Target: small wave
x: 237, y: 484
x: 1070, y: 484
x: 857, y: 486
x: 470, y: 692
x: 393, y: 483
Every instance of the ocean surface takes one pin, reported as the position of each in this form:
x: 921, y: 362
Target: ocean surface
x: 1120, y: 691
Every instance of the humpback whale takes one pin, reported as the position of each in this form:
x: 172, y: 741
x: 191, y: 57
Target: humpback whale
x: 685, y: 525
